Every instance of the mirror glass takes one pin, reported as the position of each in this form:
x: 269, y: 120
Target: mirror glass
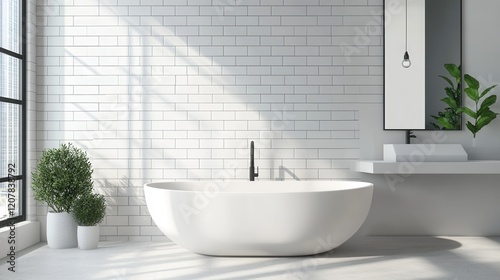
x: 422, y: 59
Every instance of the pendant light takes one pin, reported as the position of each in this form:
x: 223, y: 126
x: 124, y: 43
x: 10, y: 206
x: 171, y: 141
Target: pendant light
x: 406, y: 58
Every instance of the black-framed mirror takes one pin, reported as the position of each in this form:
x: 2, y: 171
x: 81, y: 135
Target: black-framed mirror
x: 422, y: 54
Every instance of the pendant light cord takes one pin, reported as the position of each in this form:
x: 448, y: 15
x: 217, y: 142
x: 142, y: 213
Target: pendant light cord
x: 406, y: 42
x: 406, y: 57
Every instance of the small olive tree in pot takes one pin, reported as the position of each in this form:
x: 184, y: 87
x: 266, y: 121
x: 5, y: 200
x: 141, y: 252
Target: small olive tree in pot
x: 62, y: 175
x: 89, y: 210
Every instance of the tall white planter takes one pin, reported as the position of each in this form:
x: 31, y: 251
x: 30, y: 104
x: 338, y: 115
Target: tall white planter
x: 88, y: 237
x: 61, y: 230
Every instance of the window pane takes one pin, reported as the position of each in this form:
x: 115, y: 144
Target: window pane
x: 10, y: 136
x: 9, y: 78
x: 9, y: 24
x: 10, y: 199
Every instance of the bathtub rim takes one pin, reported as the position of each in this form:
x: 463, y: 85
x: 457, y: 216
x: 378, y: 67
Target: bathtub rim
x: 260, y: 189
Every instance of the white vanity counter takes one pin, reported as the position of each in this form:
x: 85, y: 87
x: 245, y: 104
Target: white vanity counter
x: 460, y: 167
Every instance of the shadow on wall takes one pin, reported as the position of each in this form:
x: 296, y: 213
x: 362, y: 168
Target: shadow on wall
x: 115, y: 191
x: 283, y: 170
x: 152, y: 101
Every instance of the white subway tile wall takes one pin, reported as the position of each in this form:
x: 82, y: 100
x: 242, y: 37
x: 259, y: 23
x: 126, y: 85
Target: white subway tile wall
x: 31, y: 87
x: 175, y: 90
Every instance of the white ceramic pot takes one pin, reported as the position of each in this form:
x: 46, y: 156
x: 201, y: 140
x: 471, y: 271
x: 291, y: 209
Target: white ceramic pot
x: 61, y: 230
x: 88, y: 237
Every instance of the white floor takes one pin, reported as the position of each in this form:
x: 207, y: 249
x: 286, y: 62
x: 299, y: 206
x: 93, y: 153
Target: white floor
x: 371, y: 258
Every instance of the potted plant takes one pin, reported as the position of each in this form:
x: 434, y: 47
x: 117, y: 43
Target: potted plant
x: 89, y: 210
x: 62, y: 175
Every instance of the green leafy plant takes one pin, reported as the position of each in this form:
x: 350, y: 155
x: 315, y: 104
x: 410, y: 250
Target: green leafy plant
x: 481, y: 113
x: 62, y: 174
x: 89, y: 209
x: 451, y: 117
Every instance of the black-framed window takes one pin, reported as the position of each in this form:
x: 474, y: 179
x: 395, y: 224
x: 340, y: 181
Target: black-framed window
x: 12, y: 111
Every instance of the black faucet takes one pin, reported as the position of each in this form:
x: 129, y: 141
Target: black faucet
x: 253, y: 174
x: 409, y: 135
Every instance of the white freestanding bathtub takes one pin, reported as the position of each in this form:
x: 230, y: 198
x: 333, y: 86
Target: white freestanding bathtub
x: 261, y: 218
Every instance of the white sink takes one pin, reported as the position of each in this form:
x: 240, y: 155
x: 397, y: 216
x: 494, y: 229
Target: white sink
x: 424, y: 152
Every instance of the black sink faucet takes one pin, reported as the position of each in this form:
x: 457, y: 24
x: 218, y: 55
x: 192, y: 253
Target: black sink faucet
x: 253, y: 174
x: 409, y: 135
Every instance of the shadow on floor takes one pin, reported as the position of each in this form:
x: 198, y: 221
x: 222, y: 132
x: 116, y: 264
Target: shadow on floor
x: 390, y: 246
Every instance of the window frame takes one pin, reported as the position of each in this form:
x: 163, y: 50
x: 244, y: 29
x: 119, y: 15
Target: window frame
x: 20, y: 179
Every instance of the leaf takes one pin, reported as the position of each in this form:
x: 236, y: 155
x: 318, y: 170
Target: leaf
x: 435, y: 126
x: 484, y: 111
x: 471, y: 81
x: 485, y: 120
x: 471, y: 128
x: 487, y: 90
x: 453, y: 70
x: 450, y: 102
x: 472, y: 93
x: 450, y: 92
x: 468, y: 111
x: 490, y: 100
x: 445, y: 123
x: 448, y: 80
x: 490, y: 113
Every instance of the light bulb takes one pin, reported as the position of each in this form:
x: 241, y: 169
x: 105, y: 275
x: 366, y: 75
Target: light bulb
x: 406, y: 60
